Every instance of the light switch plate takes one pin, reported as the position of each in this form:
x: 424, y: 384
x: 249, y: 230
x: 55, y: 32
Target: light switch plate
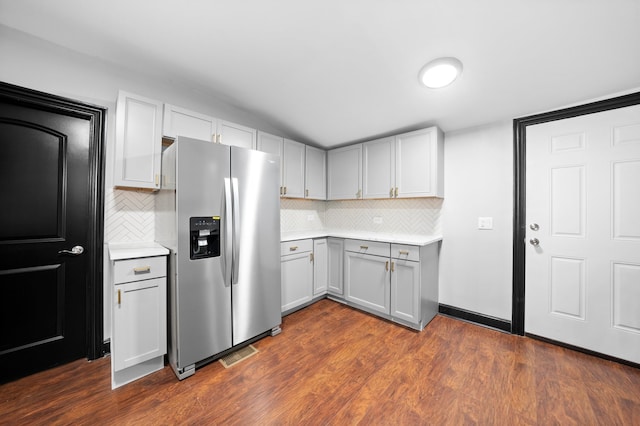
x: 485, y: 223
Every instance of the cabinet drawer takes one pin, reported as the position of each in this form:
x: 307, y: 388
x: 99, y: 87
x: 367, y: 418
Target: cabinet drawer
x: 405, y: 252
x: 144, y: 268
x: 367, y: 247
x: 297, y: 246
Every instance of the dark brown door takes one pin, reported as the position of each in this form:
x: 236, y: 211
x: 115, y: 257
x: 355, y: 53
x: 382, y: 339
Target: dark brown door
x: 46, y: 192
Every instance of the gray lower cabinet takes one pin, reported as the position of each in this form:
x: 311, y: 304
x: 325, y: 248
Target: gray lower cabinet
x: 320, y: 269
x: 397, y: 282
x: 367, y: 281
x: 335, y: 267
x: 297, y: 274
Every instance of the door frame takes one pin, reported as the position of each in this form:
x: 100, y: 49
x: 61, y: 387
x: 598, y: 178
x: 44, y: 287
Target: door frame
x: 96, y: 115
x: 519, y: 207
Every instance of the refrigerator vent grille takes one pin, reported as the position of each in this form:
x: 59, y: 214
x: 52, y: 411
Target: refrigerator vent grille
x: 237, y: 356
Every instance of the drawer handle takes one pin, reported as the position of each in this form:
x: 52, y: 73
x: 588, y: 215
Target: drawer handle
x: 364, y: 247
x: 293, y: 248
x: 142, y: 270
x: 405, y: 252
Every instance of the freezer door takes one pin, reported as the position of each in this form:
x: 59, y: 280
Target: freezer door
x: 203, y: 293
x: 256, y: 265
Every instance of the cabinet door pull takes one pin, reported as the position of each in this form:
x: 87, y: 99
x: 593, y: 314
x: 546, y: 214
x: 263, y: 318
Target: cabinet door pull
x: 364, y: 247
x: 386, y: 265
x: 285, y: 190
x: 119, y: 298
x: 391, y: 193
x: 157, y: 178
x: 306, y: 192
x: 396, y: 192
x: 142, y: 270
x: 405, y: 252
x: 293, y: 248
x: 311, y: 257
x: 392, y: 266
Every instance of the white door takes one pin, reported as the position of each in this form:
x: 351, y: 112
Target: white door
x: 583, y: 212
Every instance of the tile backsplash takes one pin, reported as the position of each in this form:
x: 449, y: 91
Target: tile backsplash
x: 399, y: 216
x: 129, y: 215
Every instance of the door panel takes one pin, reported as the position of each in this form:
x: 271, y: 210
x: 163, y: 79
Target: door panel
x: 49, y: 182
x: 583, y: 233
x: 255, y: 294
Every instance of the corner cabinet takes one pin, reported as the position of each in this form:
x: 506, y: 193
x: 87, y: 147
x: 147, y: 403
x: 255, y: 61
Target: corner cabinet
x: 139, y: 311
x: 320, y: 267
x: 335, y: 255
x: 344, y: 173
x: 138, y: 141
x: 315, y: 177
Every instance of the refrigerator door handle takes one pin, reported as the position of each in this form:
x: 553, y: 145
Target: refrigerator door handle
x: 236, y: 231
x: 228, y: 226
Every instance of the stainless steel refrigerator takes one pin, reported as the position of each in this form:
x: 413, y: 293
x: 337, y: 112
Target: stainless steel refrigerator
x: 219, y: 213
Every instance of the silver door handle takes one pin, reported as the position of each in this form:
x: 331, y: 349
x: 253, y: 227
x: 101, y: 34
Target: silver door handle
x: 534, y: 242
x: 235, y: 233
x: 76, y: 251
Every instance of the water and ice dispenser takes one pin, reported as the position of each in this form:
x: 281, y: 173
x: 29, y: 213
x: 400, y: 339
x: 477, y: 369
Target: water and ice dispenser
x: 205, y: 237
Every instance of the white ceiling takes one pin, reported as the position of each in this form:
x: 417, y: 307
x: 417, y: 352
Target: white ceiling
x: 329, y: 72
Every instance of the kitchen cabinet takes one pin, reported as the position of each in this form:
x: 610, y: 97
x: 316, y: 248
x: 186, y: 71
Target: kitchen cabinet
x: 419, y: 169
x: 293, y: 165
x: 378, y: 168
x: 138, y: 142
x: 335, y: 269
x: 344, y: 173
x: 315, y: 177
x: 297, y: 274
x: 366, y: 275
x: 236, y: 135
x: 404, y: 166
x: 183, y: 122
x: 394, y: 281
x: 139, y: 311
x: 303, y: 168
x: 320, y: 267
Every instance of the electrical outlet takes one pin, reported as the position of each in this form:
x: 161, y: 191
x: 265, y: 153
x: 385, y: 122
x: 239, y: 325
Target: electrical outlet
x: 310, y: 217
x: 377, y: 220
x: 485, y: 223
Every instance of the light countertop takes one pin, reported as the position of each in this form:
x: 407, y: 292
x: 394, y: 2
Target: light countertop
x: 410, y: 239
x: 134, y: 250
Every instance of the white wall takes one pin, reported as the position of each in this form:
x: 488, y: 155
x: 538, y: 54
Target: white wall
x: 476, y: 265
x: 40, y: 65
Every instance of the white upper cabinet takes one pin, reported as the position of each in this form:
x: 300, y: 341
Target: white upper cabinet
x: 315, y: 173
x: 378, y: 168
x: 271, y: 144
x: 345, y: 173
x: 419, y: 159
x: 236, y: 135
x: 182, y: 122
x: 293, y: 169
x: 404, y: 166
x: 138, y: 141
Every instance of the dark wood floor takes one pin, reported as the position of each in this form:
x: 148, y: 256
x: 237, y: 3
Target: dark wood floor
x: 335, y: 365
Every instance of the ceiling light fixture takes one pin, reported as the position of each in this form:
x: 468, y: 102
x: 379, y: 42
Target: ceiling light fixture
x: 440, y: 72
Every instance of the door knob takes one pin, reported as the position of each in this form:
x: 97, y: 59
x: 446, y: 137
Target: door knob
x: 534, y: 226
x: 534, y: 242
x: 76, y: 251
